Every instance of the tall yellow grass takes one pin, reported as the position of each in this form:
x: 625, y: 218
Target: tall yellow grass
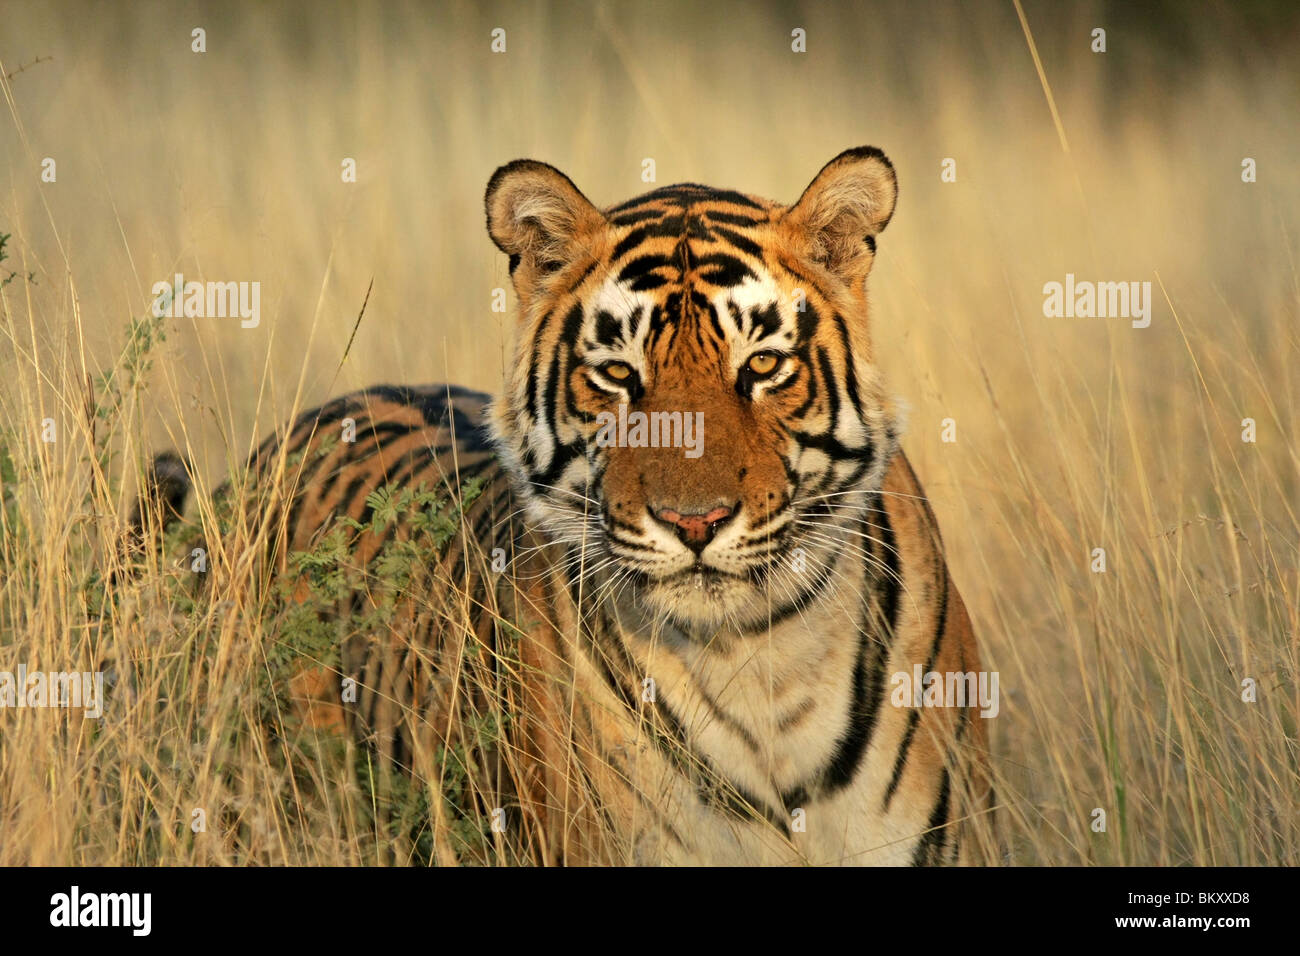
x: 1122, y: 690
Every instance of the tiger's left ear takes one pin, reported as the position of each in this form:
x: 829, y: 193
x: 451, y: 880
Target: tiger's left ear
x: 843, y: 209
x: 537, y: 216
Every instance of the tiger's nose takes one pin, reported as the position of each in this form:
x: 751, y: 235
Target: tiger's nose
x: 695, y: 530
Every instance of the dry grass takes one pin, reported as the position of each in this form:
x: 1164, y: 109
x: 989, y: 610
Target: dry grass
x: 1121, y: 690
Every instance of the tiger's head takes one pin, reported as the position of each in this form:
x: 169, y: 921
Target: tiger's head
x: 694, y: 413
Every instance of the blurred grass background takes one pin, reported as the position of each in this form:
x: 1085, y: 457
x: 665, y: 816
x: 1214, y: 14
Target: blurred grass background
x: 1121, y: 691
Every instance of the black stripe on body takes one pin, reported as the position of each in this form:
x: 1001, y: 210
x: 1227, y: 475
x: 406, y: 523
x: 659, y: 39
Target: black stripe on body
x: 930, y: 848
x: 875, y: 637
x: 603, y: 643
x: 914, y: 717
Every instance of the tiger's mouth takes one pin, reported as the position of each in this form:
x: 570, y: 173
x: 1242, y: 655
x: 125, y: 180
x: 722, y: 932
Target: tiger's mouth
x: 743, y: 581
x: 702, y: 573
x: 698, y: 577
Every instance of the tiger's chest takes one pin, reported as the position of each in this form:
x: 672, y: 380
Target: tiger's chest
x: 773, y: 780
x: 753, y: 751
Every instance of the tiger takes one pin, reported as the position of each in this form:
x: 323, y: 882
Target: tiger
x: 691, y: 566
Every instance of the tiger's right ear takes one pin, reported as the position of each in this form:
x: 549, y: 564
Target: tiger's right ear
x: 537, y: 216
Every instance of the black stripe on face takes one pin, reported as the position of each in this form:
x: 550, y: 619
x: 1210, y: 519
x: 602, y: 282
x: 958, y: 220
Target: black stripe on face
x: 733, y: 197
x: 687, y: 194
x: 673, y: 311
x: 834, y: 449
x: 722, y: 270
x: 562, y: 453
x: 620, y: 524
x: 850, y: 375
x: 638, y: 267
x: 759, y: 529
x: 832, y: 393
x: 648, y: 282
x: 743, y: 243
x: 811, y: 398
x: 670, y: 225
x: 697, y: 228
x: 699, y: 302
x: 716, y: 322
x: 737, y: 317
x: 766, y: 319
x: 638, y: 217
x: 630, y: 544
x: 808, y: 320
x: 530, y: 398
x: 732, y: 219
x: 645, y: 199
x: 631, y: 241
x: 609, y: 329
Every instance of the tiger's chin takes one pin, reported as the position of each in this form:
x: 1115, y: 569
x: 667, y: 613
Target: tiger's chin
x: 702, y: 600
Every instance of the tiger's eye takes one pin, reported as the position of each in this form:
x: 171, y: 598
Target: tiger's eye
x: 617, y: 371
x: 763, y: 363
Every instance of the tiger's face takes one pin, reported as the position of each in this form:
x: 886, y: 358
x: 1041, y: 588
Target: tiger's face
x: 694, y: 413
